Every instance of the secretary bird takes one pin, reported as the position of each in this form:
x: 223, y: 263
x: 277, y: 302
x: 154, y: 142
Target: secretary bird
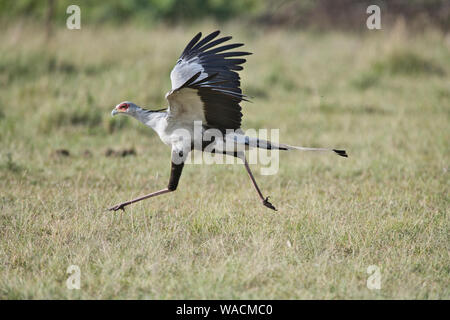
x: 206, y: 88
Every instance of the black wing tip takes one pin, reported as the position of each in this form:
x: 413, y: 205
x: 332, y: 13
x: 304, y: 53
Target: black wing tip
x: 342, y: 153
x: 191, y: 43
x: 217, y: 32
x: 197, y: 36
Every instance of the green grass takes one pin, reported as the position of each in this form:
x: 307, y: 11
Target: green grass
x: 383, y: 96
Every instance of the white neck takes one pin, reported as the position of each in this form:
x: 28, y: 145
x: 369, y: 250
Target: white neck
x: 151, y: 119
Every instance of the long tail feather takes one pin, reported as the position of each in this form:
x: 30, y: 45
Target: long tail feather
x: 341, y: 153
x: 264, y: 144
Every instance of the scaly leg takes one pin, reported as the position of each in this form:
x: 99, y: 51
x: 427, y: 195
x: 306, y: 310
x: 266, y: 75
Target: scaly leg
x: 175, y: 175
x: 264, y: 200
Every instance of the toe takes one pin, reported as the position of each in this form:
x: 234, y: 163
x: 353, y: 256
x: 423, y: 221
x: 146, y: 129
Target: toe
x: 117, y: 207
x: 268, y: 204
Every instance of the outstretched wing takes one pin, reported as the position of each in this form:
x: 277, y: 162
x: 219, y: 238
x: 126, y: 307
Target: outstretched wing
x: 205, y: 84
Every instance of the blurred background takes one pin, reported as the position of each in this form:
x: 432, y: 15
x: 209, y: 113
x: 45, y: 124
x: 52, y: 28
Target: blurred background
x: 322, y: 14
x: 317, y: 73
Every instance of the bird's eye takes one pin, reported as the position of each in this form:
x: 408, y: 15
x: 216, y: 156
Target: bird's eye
x: 123, y: 107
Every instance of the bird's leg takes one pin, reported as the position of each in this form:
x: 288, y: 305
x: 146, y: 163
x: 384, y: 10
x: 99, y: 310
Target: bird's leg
x: 121, y: 206
x: 175, y: 174
x: 265, y: 201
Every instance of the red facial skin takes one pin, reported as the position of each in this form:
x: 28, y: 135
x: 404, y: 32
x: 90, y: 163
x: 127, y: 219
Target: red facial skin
x: 123, y: 107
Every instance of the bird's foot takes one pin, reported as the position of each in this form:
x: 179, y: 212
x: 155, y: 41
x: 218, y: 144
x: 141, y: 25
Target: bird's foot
x: 120, y: 206
x: 268, y: 204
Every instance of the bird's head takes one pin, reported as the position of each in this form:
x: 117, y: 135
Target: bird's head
x: 126, y: 107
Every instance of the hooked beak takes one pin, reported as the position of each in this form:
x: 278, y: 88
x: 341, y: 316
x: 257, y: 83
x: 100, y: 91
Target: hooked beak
x: 114, y: 112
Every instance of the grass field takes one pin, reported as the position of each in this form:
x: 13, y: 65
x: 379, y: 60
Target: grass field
x: 384, y: 96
